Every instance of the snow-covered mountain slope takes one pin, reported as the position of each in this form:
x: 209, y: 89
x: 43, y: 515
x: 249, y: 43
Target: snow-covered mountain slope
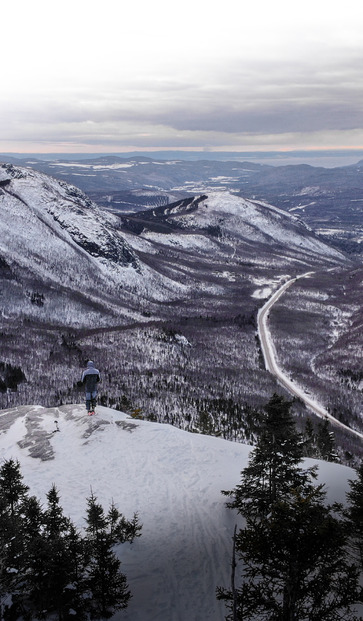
x: 54, y: 241
x: 226, y: 245
x: 65, y: 260
x: 172, y: 478
x: 245, y: 221
x: 36, y: 205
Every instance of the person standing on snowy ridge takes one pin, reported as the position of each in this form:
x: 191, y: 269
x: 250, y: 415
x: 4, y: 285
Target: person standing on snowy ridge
x: 90, y: 379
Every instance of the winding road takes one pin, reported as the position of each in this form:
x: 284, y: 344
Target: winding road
x: 269, y: 354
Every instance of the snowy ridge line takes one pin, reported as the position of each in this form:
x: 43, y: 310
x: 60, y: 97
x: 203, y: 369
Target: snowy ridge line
x: 269, y: 354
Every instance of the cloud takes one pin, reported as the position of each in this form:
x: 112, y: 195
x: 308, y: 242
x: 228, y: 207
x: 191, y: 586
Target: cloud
x: 203, y: 76
x: 266, y: 118
x: 258, y: 98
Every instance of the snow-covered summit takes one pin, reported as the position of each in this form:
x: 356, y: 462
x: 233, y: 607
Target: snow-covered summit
x: 172, y: 478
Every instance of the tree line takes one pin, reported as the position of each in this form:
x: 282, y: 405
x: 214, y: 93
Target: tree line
x: 296, y: 558
x: 47, y: 567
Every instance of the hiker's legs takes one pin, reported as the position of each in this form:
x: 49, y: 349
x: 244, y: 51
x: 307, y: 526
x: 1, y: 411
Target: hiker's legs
x: 93, y: 399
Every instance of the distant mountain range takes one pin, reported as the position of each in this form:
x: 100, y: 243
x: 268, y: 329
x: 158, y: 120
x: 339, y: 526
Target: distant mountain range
x: 330, y: 200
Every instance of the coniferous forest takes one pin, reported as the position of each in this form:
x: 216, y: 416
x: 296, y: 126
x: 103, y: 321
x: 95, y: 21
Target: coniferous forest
x: 48, y: 568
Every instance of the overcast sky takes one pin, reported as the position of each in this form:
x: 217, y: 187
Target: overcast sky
x: 112, y: 76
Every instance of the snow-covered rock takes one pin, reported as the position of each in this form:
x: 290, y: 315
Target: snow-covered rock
x: 172, y: 478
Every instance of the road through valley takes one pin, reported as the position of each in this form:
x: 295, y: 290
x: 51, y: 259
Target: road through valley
x: 271, y: 363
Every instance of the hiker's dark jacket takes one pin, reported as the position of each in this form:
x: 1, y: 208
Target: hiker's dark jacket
x: 90, y: 377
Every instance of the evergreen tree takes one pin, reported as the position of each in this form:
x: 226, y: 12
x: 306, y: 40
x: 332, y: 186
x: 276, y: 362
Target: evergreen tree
x: 325, y: 441
x: 65, y: 567
x: 6, y: 574
x: 355, y: 517
x: 294, y: 563
x: 77, y: 587
x: 108, y: 589
x: 121, y: 529
x: 293, y: 545
x: 319, y: 443
x: 12, y: 487
x: 309, y: 439
x: 44, y: 578
x: 55, y: 521
x: 33, y: 566
x: 46, y: 567
x: 274, y: 464
x: 13, y: 494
